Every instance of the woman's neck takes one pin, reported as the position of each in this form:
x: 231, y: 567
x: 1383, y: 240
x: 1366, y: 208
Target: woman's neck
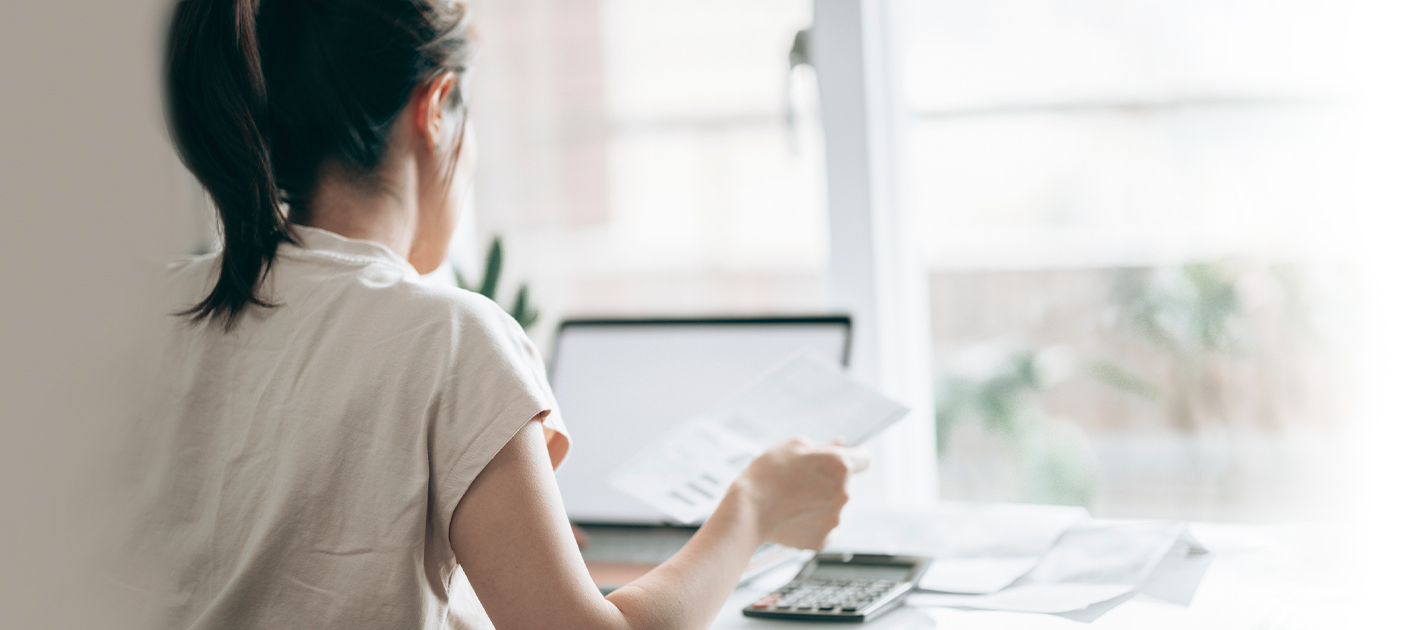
x: 386, y: 213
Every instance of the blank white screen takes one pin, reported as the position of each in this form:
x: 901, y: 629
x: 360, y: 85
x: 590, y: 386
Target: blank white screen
x: 621, y: 386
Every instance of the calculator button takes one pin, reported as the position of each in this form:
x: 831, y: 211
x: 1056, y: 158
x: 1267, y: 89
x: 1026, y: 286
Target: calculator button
x: 850, y: 609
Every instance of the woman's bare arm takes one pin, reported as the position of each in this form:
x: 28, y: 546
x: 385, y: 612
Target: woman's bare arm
x: 511, y: 535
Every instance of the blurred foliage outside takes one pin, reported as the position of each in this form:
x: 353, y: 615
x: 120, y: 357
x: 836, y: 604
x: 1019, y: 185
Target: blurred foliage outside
x: 1218, y: 346
x: 1053, y: 462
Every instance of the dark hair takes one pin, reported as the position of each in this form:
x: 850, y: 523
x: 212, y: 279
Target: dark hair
x: 260, y: 95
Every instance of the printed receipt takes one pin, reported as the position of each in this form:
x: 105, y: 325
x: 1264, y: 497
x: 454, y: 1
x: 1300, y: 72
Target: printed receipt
x: 685, y: 473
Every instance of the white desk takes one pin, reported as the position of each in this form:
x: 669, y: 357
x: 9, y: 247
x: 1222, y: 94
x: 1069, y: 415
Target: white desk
x: 1263, y: 577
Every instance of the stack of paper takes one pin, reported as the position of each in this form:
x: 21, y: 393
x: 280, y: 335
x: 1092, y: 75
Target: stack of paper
x: 1094, y: 567
x: 978, y: 547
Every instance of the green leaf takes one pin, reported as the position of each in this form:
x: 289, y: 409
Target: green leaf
x: 522, y: 310
x: 1123, y: 379
x: 492, y: 270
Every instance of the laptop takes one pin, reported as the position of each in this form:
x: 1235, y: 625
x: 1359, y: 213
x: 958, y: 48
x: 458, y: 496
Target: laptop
x: 623, y: 383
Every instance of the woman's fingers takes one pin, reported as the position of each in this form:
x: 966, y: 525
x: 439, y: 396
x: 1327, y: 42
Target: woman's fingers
x: 856, y: 458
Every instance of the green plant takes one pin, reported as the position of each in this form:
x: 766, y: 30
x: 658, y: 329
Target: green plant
x: 522, y: 310
x: 1192, y: 311
x: 999, y: 401
x: 1228, y: 341
x: 1192, y: 316
x: 1052, y: 459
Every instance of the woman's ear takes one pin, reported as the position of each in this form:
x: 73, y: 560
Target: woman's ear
x: 430, y: 118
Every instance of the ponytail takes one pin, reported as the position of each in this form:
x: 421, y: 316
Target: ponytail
x: 217, y: 104
x: 261, y: 93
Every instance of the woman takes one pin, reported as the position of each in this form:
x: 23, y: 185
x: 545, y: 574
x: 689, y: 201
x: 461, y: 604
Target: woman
x: 332, y: 436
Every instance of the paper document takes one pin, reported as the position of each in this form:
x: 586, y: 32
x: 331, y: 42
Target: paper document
x: 1093, y: 567
x: 993, y: 545
x: 686, y: 473
x: 978, y: 547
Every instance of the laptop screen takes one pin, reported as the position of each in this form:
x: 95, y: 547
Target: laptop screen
x: 622, y: 384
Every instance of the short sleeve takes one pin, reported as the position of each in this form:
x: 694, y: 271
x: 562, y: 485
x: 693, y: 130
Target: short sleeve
x: 494, y: 383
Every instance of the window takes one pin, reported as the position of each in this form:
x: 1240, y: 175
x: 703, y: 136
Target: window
x: 1133, y: 214
x: 1122, y: 223
x: 637, y: 160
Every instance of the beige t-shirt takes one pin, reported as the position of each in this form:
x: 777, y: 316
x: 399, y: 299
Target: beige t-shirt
x: 300, y: 471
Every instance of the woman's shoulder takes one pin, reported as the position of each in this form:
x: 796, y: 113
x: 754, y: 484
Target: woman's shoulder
x: 191, y: 277
x: 450, y: 302
x: 463, y: 315
x: 466, y: 331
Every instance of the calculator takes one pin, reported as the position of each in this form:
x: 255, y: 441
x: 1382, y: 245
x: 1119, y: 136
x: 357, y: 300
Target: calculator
x: 852, y: 587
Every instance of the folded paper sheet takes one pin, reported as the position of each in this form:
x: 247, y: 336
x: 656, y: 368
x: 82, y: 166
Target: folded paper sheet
x: 686, y: 473
x: 1095, y: 566
x: 978, y: 547
x: 990, y: 546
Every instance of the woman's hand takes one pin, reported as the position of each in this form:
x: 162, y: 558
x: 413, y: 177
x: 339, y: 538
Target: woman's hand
x: 798, y: 489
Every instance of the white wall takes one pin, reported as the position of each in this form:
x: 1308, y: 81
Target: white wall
x: 89, y: 194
